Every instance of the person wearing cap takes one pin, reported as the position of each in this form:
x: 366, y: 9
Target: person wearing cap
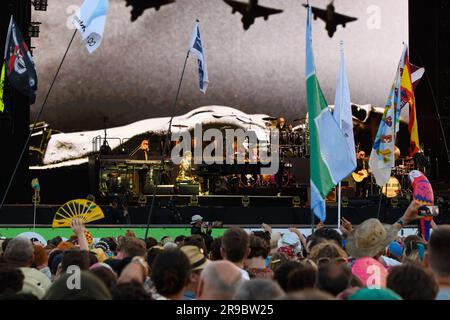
x: 371, y: 237
x: 198, y: 263
x: 19, y: 253
x: 197, y: 228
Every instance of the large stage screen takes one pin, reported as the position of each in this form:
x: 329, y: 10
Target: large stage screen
x: 134, y: 74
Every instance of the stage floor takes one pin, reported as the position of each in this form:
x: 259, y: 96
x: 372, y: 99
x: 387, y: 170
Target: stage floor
x: 235, y: 210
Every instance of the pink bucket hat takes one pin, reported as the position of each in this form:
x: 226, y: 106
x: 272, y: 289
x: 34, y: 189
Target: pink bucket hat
x: 371, y: 272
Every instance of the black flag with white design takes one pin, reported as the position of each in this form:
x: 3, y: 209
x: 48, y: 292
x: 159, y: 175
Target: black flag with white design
x: 19, y: 63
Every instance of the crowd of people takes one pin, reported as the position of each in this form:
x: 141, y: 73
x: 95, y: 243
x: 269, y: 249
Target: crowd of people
x: 367, y: 262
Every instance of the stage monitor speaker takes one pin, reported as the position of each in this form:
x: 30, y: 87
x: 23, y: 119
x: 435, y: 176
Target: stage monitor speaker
x: 188, y: 188
x: 164, y: 189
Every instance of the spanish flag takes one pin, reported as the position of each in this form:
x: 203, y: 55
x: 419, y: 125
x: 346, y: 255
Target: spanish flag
x: 407, y: 94
x: 2, y: 82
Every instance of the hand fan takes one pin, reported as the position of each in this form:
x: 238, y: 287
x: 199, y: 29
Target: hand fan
x: 83, y: 209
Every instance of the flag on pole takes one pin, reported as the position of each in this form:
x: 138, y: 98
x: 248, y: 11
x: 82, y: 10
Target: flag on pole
x: 416, y: 74
x: 19, y: 63
x: 342, y: 112
x: 196, y: 47
x: 90, y: 20
x: 330, y: 158
x: 2, y: 82
x: 382, y: 155
x: 407, y: 94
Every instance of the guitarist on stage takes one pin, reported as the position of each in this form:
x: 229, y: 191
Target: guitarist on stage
x: 361, y: 174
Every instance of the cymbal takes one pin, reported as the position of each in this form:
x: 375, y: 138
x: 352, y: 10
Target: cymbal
x: 299, y: 119
x: 179, y: 126
x: 269, y: 119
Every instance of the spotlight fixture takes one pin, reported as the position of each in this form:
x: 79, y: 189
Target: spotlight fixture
x: 40, y: 5
x: 33, y: 29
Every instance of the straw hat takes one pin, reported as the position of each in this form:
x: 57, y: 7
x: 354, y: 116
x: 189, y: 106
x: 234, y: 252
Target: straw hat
x: 370, y: 238
x: 196, y: 257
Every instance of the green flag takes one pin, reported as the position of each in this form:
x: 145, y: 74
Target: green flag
x: 330, y: 156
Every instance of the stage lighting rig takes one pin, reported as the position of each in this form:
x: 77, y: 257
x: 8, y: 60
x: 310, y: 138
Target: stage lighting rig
x: 40, y: 5
x: 33, y: 29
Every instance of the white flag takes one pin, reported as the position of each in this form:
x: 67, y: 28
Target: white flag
x: 343, y: 109
x: 196, y: 47
x: 90, y: 20
x: 382, y: 158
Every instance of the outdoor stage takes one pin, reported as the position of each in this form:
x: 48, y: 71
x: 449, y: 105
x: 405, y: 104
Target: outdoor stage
x: 231, y: 210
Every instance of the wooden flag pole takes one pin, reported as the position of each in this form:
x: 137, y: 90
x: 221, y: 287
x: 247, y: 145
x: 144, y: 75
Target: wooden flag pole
x: 25, y: 146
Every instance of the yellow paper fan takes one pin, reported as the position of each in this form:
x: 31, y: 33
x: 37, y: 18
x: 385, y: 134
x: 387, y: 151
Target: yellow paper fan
x: 83, y: 209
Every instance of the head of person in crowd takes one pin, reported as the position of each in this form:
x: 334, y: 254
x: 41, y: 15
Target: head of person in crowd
x: 40, y: 260
x: 277, y: 259
x: 219, y: 281
x: 291, y: 241
x: 282, y: 273
x: 75, y: 257
x: 334, y: 277
x: 105, y: 273
x: 374, y: 294
x: 150, y: 242
x: 414, y: 248
x: 65, y: 245
x: 198, y: 262
x: 87, y: 287
x: 196, y: 221
x: 196, y: 240
x: 130, y: 247
x: 412, y: 282
x: 215, y: 252
x: 370, y: 272
x: 54, y: 242
x: 179, y: 240
x: 152, y: 253
x: 235, y: 246
x: 438, y: 258
x: 170, y: 273
x: 11, y: 280
x: 256, y: 260
x: 19, y: 252
x: 329, y: 234
x: 327, y: 250
x: 112, y: 244
x: 302, y: 277
x: 311, y: 242
x: 259, y: 289
x: 130, y: 291
x: 370, y: 239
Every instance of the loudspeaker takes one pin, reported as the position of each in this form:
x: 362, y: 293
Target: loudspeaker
x: 188, y: 188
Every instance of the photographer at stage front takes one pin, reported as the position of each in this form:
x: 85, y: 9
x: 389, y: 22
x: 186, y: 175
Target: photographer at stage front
x: 197, y: 228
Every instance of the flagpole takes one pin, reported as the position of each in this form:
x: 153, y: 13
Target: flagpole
x: 340, y: 127
x: 166, y: 143
x: 35, y: 122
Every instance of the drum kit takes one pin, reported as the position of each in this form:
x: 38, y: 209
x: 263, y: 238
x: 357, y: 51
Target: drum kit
x: 293, y: 142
